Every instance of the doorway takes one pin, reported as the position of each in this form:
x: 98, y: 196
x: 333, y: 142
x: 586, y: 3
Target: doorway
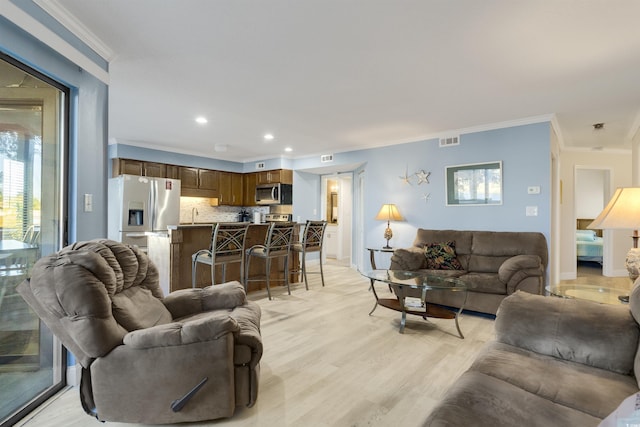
x: 592, y: 191
x: 337, y: 209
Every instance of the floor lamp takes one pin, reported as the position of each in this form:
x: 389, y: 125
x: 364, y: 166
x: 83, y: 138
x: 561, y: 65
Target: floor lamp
x: 623, y: 212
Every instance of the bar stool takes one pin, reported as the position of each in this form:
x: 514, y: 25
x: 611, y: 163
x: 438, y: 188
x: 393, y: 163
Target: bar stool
x: 277, y: 244
x: 227, y: 246
x: 311, y: 242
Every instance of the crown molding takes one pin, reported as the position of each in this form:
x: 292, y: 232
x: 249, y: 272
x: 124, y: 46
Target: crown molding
x: 54, y: 41
x: 633, y: 131
x: 595, y: 151
x: 558, y: 131
x: 77, y: 28
x: 506, y: 124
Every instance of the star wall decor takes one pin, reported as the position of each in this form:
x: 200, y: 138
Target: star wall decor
x: 426, y: 197
x: 423, y: 177
x: 406, y: 178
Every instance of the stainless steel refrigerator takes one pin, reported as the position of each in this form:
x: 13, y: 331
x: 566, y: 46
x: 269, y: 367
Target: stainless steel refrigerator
x: 139, y: 205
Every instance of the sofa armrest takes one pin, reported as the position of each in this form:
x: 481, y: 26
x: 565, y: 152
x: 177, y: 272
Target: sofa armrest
x: 599, y: 335
x: 517, y: 268
x: 185, y: 302
x: 408, y: 259
x: 247, y: 317
x: 200, y: 329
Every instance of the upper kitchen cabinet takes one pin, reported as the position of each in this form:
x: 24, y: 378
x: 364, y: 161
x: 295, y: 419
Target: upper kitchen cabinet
x: 197, y: 182
x: 230, y: 189
x: 173, y: 172
x: 282, y: 176
x: 249, y: 181
x: 188, y: 177
x: 157, y: 170
x: 139, y: 168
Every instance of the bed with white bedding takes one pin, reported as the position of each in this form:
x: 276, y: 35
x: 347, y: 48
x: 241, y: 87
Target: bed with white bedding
x: 588, y: 246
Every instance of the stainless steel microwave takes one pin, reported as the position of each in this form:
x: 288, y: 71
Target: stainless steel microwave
x: 274, y: 194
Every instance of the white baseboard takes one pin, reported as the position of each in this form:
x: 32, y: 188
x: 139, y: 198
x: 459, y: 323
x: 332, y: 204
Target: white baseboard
x: 73, y: 375
x: 620, y: 273
x: 573, y: 275
x: 568, y: 276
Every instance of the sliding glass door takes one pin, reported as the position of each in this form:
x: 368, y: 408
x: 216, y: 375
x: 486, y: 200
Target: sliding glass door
x: 33, y: 116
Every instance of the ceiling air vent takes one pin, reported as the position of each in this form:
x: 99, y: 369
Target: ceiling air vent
x: 449, y: 141
x: 259, y: 165
x: 325, y: 158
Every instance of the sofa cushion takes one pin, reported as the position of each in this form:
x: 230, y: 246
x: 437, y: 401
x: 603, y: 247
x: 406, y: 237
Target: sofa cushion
x: 486, y: 264
x: 443, y: 273
x: 487, y: 283
x: 567, y: 383
x: 442, y: 256
x: 634, y: 307
x: 136, y: 308
x: 564, y: 328
x: 480, y: 400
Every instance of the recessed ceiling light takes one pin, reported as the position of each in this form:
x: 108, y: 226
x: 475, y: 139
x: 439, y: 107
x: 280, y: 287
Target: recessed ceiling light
x: 288, y: 149
x: 202, y: 120
x: 268, y: 137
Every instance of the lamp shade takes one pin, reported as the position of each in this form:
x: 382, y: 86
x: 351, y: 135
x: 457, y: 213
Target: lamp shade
x: 622, y: 211
x: 389, y: 212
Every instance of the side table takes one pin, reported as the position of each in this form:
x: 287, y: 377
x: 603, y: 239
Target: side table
x: 372, y: 257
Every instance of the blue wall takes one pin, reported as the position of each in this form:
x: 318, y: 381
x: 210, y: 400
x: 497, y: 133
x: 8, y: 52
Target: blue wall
x: 525, y: 155
x: 88, y: 133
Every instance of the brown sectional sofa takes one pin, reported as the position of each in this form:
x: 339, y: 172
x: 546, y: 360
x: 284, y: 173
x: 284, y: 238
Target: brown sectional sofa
x: 494, y: 264
x: 554, y: 362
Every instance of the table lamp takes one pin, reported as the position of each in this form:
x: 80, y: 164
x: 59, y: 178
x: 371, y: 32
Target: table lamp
x: 623, y: 212
x: 389, y: 212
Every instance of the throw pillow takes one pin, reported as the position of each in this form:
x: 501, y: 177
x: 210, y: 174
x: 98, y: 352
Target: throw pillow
x: 442, y: 256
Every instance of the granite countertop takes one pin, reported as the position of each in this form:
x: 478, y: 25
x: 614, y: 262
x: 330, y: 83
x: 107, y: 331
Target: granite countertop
x: 206, y: 224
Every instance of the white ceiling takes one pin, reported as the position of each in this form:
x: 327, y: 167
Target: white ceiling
x: 327, y: 76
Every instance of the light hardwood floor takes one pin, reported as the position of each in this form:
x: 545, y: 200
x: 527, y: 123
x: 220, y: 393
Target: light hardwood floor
x: 328, y: 363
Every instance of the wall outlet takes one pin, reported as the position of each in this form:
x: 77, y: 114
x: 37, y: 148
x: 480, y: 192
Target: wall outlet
x: 532, y: 211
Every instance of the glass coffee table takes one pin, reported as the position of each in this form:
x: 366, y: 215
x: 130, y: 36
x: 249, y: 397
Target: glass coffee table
x: 410, y: 288
x: 595, y: 293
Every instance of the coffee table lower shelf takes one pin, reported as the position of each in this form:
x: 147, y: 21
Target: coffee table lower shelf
x: 432, y: 310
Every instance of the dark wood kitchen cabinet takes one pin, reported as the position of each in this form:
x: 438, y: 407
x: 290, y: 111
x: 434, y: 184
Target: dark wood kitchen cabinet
x: 230, y: 189
x: 195, y: 182
x: 282, y: 176
x: 249, y: 183
x: 138, y: 168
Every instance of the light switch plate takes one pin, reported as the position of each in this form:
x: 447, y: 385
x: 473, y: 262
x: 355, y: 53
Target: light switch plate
x: 88, y: 202
x: 534, y: 189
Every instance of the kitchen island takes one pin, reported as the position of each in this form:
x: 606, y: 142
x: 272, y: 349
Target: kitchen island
x: 172, y: 256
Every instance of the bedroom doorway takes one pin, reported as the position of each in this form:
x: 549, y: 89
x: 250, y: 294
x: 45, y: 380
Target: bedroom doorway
x: 592, y: 192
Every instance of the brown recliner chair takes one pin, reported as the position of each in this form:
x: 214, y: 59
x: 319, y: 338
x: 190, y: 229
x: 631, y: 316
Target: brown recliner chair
x: 193, y: 355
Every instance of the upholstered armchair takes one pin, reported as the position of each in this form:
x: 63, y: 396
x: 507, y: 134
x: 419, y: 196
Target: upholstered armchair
x: 192, y: 355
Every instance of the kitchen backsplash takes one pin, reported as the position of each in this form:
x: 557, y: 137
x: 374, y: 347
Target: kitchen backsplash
x: 203, y: 212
